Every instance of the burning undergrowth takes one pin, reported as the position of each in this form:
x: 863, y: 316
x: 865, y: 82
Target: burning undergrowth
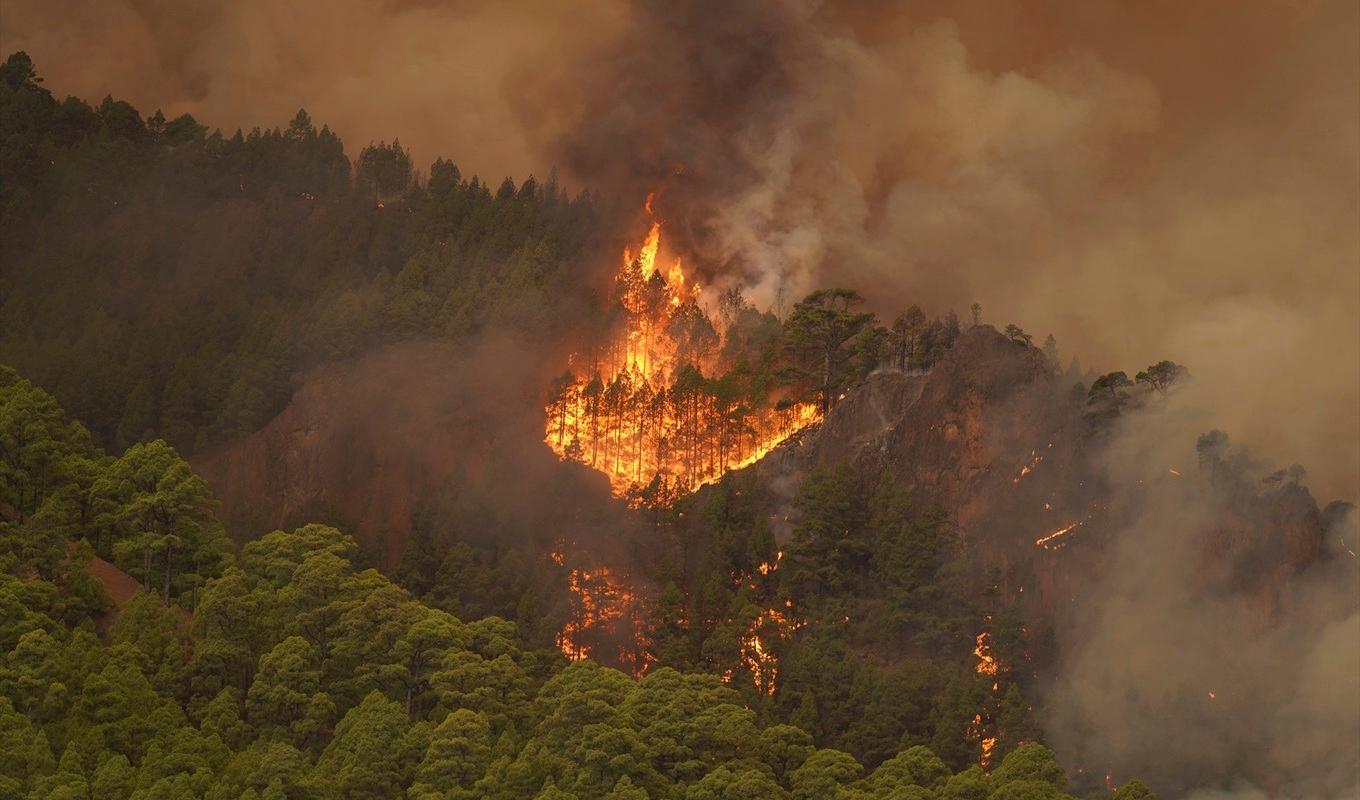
x: 1190, y: 611
x: 638, y: 407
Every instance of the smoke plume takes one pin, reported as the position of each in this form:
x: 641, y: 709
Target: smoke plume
x: 1141, y: 195
x: 1213, y: 659
x: 1143, y: 180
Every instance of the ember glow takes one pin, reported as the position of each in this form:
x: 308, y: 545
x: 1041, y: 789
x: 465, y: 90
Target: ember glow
x: 1035, y: 459
x: 977, y: 731
x: 641, y: 407
x: 983, y: 650
x: 766, y: 567
x: 603, y: 608
x: 987, y: 666
x: 1050, y: 541
x: 757, y: 642
x: 1056, y: 539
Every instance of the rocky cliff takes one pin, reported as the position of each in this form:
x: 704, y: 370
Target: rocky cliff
x: 1038, y: 489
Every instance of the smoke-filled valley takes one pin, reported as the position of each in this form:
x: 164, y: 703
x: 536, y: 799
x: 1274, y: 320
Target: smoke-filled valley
x: 857, y: 402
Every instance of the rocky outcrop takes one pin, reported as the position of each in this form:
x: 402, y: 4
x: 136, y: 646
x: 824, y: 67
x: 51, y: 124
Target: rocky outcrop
x: 957, y: 436
x: 999, y: 438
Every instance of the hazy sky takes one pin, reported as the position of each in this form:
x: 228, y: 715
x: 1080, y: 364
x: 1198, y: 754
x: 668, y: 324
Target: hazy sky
x: 1145, y: 180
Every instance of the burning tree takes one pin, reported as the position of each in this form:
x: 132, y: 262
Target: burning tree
x: 651, y: 401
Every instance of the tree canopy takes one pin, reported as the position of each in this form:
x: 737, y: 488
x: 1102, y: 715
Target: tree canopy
x: 282, y: 670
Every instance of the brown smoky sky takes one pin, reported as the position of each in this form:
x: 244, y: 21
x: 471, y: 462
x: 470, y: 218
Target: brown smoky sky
x: 1144, y: 180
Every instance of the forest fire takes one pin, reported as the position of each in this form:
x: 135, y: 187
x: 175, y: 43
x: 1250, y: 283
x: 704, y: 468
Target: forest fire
x: 766, y: 567
x: 977, y: 731
x: 600, y: 605
x: 641, y: 407
x: 983, y: 730
x: 1056, y: 539
x: 1050, y: 540
x: 1035, y: 459
x: 756, y: 647
x: 986, y: 661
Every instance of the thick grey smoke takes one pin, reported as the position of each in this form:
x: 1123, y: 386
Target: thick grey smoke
x: 430, y: 72
x: 1203, y: 661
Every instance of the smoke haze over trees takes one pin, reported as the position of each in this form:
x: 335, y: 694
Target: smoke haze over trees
x: 346, y: 315
x: 1149, y: 180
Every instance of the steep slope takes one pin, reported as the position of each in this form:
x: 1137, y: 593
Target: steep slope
x: 1173, y: 590
x: 1080, y: 524
x: 967, y: 427
x: 354, y: 444
x: 366, y: 444
x: 994, y: 434
x: 1002, y: 441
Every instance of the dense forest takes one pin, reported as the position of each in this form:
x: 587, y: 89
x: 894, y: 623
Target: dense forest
x: 166, y: 286
x: 282, y: 671
x: 169, y: 281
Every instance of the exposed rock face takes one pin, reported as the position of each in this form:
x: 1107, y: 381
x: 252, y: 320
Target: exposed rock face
x: 957, y: 436
x: 364, y: 445
x: 997, y: 436
x: 341, y: 449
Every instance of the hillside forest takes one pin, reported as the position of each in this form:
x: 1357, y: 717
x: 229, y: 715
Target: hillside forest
x: 166, y: 289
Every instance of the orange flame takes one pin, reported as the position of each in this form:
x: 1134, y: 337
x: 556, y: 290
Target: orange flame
x: 988, y: 743
x: 628, y: 417
x: 1035, y: 459
x: 983, y: 650
x: 757, y: 647
x: 987, y: 665
x: 766, y: 567
x: 1054, y: 539
x: 1047, y: 542
x: 601, y: 603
